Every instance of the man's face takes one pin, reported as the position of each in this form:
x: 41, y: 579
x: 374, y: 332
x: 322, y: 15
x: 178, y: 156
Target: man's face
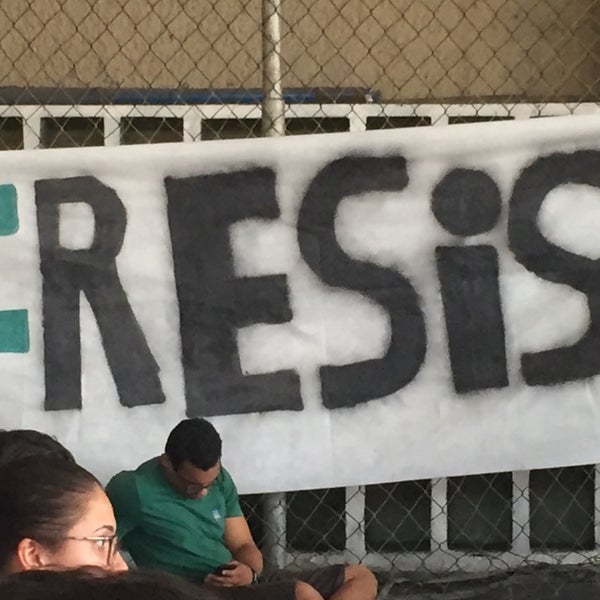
x: 191, y: 481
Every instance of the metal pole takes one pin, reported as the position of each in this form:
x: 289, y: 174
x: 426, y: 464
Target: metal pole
x: 273, y: 108
x: 275, y: 538
x: 273, y: 125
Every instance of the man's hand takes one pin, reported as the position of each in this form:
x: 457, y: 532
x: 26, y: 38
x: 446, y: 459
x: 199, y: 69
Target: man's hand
x: 240, y: 574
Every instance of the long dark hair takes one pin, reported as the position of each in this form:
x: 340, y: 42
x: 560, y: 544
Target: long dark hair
x: 98, y: 585
x: 41, y: 498
x: 17, y: 444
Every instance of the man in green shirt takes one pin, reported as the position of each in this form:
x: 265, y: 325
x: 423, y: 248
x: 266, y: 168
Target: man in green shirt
x: 180, y: 512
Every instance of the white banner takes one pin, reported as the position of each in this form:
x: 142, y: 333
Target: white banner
x: 346, y: 309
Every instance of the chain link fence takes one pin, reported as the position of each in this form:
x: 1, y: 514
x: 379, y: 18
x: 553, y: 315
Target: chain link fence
x: 109, y: 72
x: 476, y: 525
x: 93, y: 72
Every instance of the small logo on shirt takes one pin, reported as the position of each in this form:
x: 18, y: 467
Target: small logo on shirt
x: 216, y: 515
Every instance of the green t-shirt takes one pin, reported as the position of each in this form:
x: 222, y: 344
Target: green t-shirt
x: 162, y: 529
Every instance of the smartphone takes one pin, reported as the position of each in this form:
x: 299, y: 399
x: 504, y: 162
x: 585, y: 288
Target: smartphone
x: 220, y: 570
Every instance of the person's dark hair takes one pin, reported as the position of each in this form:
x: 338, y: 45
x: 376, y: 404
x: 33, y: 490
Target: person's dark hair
x: 97, y: 585
x: 196, y: 441
x: 17, y: 444
x: 41, y: 498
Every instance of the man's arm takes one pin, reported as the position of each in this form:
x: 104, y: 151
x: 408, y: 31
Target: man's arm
x: 247, y: 557
x: 239, y: 542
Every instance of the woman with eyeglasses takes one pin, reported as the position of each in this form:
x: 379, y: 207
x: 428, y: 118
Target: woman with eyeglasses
x: 54, y: 515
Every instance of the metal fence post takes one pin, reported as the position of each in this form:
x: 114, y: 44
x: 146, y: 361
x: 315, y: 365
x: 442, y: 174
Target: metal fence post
x: 274, y: 516
x: 273, y: 125
x: 273, y: 109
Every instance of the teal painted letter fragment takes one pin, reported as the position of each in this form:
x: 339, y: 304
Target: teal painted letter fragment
x: 9, y: 217
x: 14, y: 331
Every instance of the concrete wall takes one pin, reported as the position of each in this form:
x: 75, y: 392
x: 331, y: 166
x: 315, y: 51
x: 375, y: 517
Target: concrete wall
x: 407, y: 49
x: 437, y: 49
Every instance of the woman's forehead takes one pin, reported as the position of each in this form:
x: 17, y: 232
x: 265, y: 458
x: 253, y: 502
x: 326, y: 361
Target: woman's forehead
x: 96, y: 513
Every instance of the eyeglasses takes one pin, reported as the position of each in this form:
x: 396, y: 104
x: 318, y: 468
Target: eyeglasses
x: 188, y: 487
x: 194, y: 488
x: 108, y: 542
x: 191, y: 487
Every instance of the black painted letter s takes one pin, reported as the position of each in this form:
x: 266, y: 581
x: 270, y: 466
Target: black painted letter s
x: 553, y: 263
x: 349, y: 385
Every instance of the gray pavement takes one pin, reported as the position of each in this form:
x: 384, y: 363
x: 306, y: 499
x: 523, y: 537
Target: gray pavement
x: 531, y: 583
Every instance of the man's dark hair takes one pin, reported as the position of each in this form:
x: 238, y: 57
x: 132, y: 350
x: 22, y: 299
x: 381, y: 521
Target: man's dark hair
x: 17, y: 444
x: 195, y: 441
x: 40, y: 498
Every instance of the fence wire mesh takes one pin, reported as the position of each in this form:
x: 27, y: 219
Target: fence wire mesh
x: 109, y: 72
x: 473, y: 525
x: 86, y: 72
